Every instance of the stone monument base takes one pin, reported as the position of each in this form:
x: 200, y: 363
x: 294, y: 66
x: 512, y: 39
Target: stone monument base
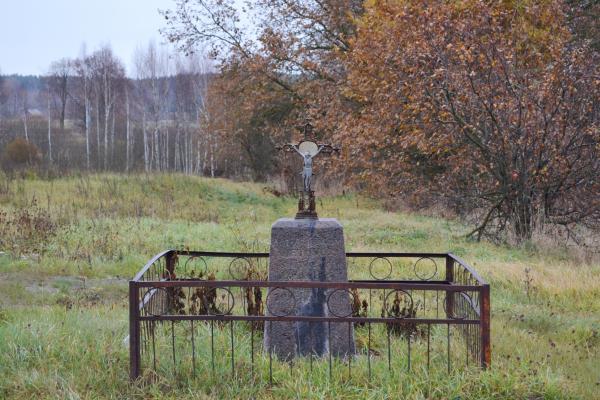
x: 308, y: 250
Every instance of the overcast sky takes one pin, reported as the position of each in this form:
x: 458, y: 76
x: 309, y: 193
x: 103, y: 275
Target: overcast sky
x: 33, y: 33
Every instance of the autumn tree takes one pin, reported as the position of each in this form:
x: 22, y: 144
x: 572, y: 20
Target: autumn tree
x: 288, y: 69
x: 583, y: 17
x: 487, y: 106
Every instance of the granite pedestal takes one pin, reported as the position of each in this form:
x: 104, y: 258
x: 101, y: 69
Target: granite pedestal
x: 308, y: 250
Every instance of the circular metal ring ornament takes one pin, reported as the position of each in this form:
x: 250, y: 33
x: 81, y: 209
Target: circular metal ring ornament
x: 291, y: 295
x: 453, y: 316
x: 247, y: 269
x: 152, y: 294
x: 329, y: 308
x: 192, y: 258
x: 230, y: 304
x: 404, y: 293
x: 425, y: 278
x: 371, y: 269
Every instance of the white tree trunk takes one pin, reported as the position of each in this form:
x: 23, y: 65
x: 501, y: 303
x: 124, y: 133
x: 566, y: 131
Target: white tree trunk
x: 127, y: 137
x: 49, y: 129
x: 155, y: 148
x: 205, y: 157
x: 167, y: 149
x: 98, y: 157
x: 212, y: 157
x: 25, y: 122
x: 145, y: 135
x: 177, y: 161
x: 106, y: 118
x: 112, y: 139
x: 87, y: 120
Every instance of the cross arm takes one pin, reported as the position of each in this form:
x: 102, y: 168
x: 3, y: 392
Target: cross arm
x: 328, y: 149
x: 289, y: 148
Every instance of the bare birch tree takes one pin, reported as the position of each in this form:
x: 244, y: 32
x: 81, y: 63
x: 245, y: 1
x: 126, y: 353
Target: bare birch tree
x: 60, y: 72
x: 107, y: 72
x: 49, y: 127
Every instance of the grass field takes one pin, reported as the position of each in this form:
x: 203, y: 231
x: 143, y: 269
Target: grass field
x: 69, y: 246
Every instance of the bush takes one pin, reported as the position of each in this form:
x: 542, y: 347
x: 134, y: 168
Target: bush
x: 20, y: 153
x: 27, y: 230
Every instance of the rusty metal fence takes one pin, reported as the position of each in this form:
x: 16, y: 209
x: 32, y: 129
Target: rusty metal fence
x: 199, y: 311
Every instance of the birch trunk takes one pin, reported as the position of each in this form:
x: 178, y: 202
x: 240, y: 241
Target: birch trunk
x: 49, y: 130
x: 106, y: 118
x: 155, y: 148
x: 25, y: 121
x: 177, y: 160
x: 98, y: 156
x: 145, y: 136
x: 167, y: 150
x: 86, y: 102
x: 112, y: 140
x: 127, y: 138
x: 212, y: 162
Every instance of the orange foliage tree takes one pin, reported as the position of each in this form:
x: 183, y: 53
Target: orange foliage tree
x: 486, y: 105
x: 288, y: 69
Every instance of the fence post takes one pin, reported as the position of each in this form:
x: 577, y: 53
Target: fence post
x: 450, y: 280
x: 134, y: 332
x: 484, y: 322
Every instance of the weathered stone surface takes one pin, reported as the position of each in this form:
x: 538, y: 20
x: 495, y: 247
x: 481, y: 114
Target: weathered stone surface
x: 308, y: 250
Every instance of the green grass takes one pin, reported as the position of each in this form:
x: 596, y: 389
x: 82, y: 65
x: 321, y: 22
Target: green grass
x: 63, y: 291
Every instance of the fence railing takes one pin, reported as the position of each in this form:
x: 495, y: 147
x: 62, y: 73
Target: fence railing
x: 189, y: 311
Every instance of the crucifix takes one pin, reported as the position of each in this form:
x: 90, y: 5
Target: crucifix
x: 308, y: 149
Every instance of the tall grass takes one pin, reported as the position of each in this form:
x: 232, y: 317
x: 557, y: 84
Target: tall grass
x: 63, y: 314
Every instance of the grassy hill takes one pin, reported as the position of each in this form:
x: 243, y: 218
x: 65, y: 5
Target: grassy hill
x: 69, y: 246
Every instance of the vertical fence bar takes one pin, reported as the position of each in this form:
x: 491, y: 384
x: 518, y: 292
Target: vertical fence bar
x: 212, y: 345
x: 193, y: 350
x: 252, y: 348
x: 484, y: 321
x: 449, y: 279
x: 369, y: 352
x: 134, y: 332
x: 173, y: 347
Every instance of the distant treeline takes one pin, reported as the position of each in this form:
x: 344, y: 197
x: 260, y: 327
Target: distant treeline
x: 87, y: 114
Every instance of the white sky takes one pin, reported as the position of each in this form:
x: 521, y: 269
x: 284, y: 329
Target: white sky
x: 33, y: 33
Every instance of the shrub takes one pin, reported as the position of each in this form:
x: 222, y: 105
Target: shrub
x: 20, y: 153
x: 26, y: 231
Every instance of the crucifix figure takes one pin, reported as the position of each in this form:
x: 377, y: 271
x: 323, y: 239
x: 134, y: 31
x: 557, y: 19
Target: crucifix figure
x: 307, y: 169
x: 308, y: 149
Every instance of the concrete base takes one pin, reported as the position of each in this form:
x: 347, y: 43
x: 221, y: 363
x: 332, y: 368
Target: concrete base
x: 308, y: 250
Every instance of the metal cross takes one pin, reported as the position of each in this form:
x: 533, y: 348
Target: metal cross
x: 308, y: 149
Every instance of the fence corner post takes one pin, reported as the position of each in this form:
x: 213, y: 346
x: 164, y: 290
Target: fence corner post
x: 134, y: 332
x: 484, y: 315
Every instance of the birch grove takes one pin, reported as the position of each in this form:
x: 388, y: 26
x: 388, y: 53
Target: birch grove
x: 91, y: 113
